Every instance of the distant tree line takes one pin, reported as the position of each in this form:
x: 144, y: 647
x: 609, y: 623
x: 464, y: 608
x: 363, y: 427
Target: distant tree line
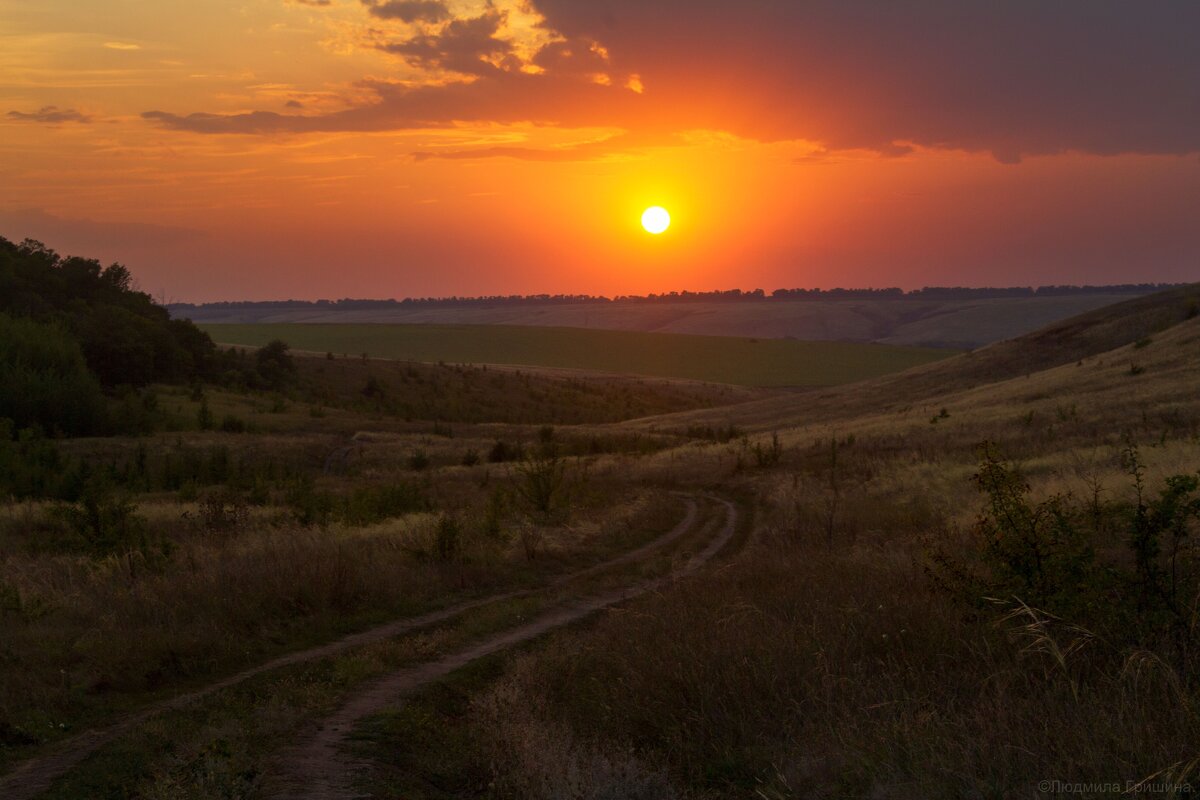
x: 721, y: 296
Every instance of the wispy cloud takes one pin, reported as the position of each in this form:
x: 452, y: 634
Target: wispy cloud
x: 50, y: 115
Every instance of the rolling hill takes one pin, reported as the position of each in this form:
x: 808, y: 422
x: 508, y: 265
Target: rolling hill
x: 716, y: 359
x: 1122, y: 355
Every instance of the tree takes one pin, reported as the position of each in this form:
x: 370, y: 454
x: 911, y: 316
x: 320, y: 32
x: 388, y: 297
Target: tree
x: 44, y: 381
x: 275, y: 364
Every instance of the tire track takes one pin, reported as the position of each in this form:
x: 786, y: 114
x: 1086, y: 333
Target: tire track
x: 319, y: 769
x: 35, y: 776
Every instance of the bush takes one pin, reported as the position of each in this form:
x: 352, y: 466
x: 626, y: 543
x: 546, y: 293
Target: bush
x: 1035, y: 552
x: 502, y: 451
x: 540, y: 483
x: 768, y: 455
x: 106, y: 521
x: 44, y: 380
x: 31, y: 466
x: 275, y: 365
x: 1057, y: 558
x: 419, y: 460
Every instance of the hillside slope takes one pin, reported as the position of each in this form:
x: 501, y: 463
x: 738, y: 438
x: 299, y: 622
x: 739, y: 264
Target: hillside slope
x: 1147, y: 345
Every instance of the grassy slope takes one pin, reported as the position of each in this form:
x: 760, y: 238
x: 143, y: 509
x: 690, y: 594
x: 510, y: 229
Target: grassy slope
x: 1064, y: 343
x: 717, y: 359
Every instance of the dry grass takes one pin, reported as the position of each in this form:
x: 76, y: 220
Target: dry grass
x: 826, y: 663
x: 816, y: 674
x: 86, y: 635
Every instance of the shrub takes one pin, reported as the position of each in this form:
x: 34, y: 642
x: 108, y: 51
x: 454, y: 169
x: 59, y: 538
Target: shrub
x: 540, y: 483
x: 32, y: 466
x: 1045, y: 558
x: 1035, y: 551
x: 502, y: 451
x: 419, y: 460
x: 1166, y: 575
x: 136, y: 412
x: 44, y: 380
x: 768, y: 455
x: 232, y: 424
x: 106, y: 521
x: 275, y: 365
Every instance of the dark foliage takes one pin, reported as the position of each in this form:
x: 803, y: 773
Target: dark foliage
x: 44, y: 381
x: 126, y: 339
x: 1127, y: 572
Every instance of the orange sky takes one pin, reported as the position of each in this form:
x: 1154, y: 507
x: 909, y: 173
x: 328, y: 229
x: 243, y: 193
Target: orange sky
x: 379, y: 148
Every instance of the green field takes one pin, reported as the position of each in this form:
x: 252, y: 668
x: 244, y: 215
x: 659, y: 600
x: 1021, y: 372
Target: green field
x: 719, y: 359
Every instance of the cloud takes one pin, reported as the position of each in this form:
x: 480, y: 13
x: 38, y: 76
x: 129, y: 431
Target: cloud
x: 1013, y: 79
x: 619, y: 145
x: 1017, y: 78
x: 293, y: 104
x: 502, y: 97
x: 408, y: 10
x: 50, y: 115
x: 122, y: 46
x: 469, y: 46
x: 311, y: 2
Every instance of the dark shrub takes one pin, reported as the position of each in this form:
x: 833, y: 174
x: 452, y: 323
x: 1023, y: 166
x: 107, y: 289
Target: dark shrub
x: 44, y: 380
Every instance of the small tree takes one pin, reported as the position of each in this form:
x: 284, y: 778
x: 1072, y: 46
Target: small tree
x: 541, y: 483
x: 275, y: 364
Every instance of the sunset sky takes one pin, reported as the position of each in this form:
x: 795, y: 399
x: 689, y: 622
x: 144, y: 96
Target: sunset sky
x: 257, y: 149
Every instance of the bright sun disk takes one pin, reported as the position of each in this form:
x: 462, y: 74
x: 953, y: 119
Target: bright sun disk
x: 655, y: 219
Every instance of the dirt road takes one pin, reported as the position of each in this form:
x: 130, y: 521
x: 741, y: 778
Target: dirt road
x: 33, y: 777
x: 318, y: 769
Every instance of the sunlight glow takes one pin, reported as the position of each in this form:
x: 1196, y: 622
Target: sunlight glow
x: 655, y: 219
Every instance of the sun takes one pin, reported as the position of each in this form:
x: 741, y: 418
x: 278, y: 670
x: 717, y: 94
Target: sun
x: 655, y: 219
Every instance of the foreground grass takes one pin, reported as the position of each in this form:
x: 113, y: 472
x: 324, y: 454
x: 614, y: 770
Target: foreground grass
x: 222, y: 745
x: 88, y: 638
x: 719, y: 359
